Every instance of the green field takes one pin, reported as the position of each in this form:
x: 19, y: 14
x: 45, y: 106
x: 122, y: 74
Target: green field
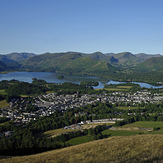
x: 111, y: 133
x: 127, y: 108
x: 124, y: 87
x: 3, y: 92
x: 52, y: 133
x: 48, y: 92
x: 105, y: 133
x: 118, y: 88
x: 3, y: 104
x: 80, y: 140
x: 145, y: 124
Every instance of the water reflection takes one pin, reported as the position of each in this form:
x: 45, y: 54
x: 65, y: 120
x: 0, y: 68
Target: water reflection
x: 52, y: 78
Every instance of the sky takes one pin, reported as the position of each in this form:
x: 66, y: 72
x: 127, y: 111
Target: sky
x: 40, y: 26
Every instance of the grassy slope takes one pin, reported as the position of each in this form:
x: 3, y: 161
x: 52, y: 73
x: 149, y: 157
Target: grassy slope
x: 3, y: 104
x: 137, y: 148
x: 152, y: 64
x: 80, y: 140
x: 63, y: 62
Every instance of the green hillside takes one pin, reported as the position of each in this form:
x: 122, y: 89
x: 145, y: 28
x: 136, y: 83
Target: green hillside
x: 9, y: 62
x: 69, y: 62
x: 152, y: 64
x: 138, y: 148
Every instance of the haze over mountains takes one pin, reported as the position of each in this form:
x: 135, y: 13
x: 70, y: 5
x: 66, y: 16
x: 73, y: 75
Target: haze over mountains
x: 97, y: 64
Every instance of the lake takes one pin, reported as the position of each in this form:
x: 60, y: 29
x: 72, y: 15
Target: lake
x: 52, y: 78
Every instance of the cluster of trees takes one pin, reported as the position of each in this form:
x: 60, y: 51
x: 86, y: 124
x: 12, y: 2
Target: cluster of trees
x: 38, y: 81
x: 60, y: 77
x: 70, y: 88
x: 4, y: 119
x: 132, y: 75
x: 39, y: 86
x: 24, y: 142
x: 2, y: 97
x: 5, y: 84
x: 8, y: 126
x: 24, y: 88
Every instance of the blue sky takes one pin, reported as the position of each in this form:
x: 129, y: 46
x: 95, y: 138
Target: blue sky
x: 88, y: 26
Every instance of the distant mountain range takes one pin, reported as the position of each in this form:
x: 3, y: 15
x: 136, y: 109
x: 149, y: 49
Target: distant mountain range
x: 70, y: 62
x: 120, y: 65
x: 11, y: 61
x: 145, y: 57
x: 19, y: 56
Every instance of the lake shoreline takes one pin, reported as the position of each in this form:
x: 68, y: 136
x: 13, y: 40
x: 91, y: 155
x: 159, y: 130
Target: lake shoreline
x: 51, y: 77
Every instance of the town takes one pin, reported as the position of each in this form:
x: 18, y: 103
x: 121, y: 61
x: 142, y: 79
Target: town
x: 48, y: 104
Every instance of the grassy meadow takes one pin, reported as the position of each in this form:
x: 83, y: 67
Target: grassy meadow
x: 53, y: 133
x: 117, y: 88
x: 124, y: 87
x: 145, y: 124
